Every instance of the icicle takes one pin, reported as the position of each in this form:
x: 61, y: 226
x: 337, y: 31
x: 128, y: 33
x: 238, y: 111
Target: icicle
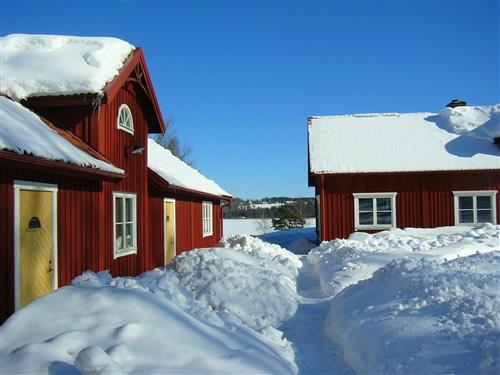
x: 96, y: 103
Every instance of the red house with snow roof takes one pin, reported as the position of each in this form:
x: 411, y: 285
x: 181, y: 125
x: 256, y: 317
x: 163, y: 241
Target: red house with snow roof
x: 76, y: 192
x: 374, y: 172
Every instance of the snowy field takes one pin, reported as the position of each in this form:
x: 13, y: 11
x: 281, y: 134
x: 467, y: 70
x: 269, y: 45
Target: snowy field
x: 413, y: 301
x: 250, y: 226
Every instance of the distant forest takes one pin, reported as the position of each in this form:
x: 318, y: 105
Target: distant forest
x: 269, y: 207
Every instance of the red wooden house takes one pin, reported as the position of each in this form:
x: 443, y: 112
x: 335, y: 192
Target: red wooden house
x: 179, y: 197
x: 74, y: 179
x: 373, y: 172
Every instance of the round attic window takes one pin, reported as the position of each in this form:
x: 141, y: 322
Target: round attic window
x: 125, y: 120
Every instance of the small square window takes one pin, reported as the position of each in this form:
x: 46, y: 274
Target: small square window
x: 475, y: 207
x: 374, y: 210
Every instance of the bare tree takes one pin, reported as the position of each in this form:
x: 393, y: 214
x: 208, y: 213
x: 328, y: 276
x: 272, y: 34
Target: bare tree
x: 263, y: 224
x: 171, y: 142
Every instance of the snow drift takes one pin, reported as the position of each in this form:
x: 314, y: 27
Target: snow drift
x: 416, y: 316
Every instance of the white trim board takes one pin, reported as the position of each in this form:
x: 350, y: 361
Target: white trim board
x: 169, y: 200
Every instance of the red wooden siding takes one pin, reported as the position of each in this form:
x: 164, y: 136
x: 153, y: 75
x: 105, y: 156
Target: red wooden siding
x: 115, y: 144
x: 188, y: 223
x: 78, y: 221
x: 423, y: 199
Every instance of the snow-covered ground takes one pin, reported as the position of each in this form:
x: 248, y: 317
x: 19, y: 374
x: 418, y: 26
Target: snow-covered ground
x: 250, y: 226
x: 424, y: 301
x: 414, y: 301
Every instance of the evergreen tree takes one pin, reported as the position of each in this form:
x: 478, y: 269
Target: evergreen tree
x: 288, y: 219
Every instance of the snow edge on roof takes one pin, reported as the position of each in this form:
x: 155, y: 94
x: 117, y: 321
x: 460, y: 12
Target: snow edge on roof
x: 178, y: 173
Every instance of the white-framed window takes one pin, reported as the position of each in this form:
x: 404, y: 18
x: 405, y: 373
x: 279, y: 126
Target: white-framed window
x: 125, y: 121
x: 475, y: 207
x: 124, y: 224
x: 374, y: 210
x: 207, y: 219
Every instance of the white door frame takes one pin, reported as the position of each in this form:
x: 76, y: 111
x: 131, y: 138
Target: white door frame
x: 168, y: 200
x: 34, y: 186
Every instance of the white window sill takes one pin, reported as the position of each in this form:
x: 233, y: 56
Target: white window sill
x: 207, y: 234
x: 125, y: 252
x: 130, y: 131
x: 373, y: 227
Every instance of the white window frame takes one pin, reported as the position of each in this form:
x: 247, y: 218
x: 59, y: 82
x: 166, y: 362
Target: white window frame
x: 207, y: 218
x: 474, y: 193
x: 117, y: 253
x: 373, y: 196
x: 125, y: 107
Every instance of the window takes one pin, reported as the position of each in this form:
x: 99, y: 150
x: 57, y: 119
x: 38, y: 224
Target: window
x: 125, y: 224
x: 125, y: 120
x: 474, y: 207
x: 374, y: 210
x: 207, y: 219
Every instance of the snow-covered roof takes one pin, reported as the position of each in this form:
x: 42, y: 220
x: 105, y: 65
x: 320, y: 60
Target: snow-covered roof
x: 48, y: 65
x: 23, y: 132
x: 458, y: 138
x: 178, y: 173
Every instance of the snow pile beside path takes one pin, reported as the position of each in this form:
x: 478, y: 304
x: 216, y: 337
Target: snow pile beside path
x: 149, y: 324
x: 255, y: 281
x: 162, y: 283
x: 43, y: 65
x: 268, y: 253
x: 340, y: 263
x: 416, y: 316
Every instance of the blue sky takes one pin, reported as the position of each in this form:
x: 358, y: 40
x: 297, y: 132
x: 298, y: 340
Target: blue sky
x: 241, y: 78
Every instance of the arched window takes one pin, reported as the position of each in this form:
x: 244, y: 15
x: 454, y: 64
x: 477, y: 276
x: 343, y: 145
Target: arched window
x: 125, y: 120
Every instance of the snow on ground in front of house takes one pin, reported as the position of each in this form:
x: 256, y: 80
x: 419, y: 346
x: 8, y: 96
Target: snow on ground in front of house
x: 343, y: 262
x: 398, y: 301
x: 154, y: 324
x: 253, y: 280
x: 250, y: 226
x: 414, y: 301
x: 417, y: 316
x: 43, y: 65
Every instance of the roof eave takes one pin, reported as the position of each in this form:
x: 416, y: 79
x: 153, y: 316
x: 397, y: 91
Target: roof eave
x: 36, y: 163
x: 113, y: 87
x: 164, y: 186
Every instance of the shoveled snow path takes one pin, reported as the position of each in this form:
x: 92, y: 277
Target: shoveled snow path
x: 315, y: 354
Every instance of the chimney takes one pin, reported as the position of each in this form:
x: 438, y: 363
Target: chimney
x: 496, y: 140
x: 457, y: 103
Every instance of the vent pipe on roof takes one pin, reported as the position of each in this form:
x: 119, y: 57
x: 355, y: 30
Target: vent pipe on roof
x: 457, y: 103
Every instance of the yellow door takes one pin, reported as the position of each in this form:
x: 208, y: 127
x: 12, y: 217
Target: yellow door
x: 169, y: 231
x: 36, y: 244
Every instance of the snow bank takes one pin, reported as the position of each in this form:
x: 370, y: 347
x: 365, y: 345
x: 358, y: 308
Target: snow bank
x: 149, y: 324
x: 254, y: 281
x: 43, y: 65
x: 177, y: 173
x: 416, y: 316
x: 340, y: 263
x: 23, y: 132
